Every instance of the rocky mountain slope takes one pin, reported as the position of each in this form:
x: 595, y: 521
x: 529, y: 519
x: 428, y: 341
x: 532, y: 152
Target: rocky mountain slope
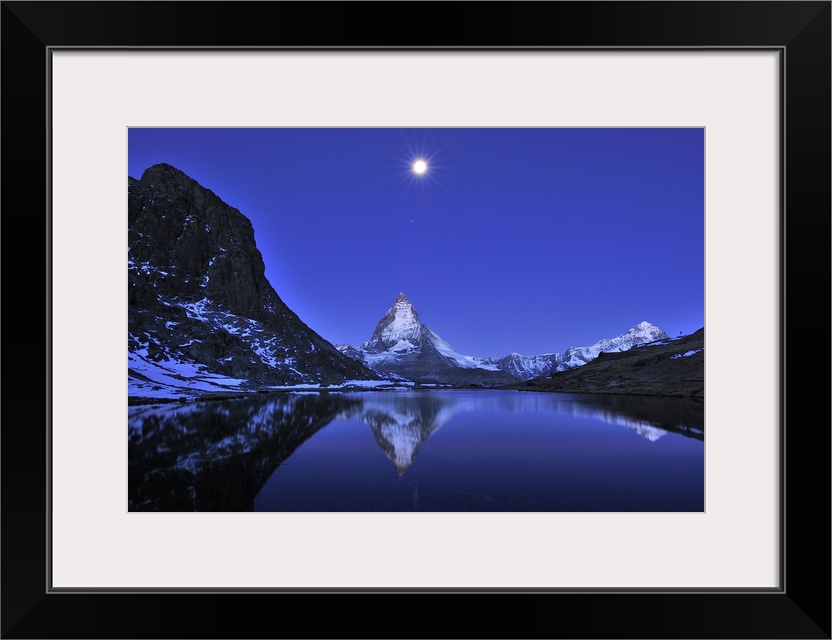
x: 403, y: 346
x: 669, y: 367
x: 201, y: 314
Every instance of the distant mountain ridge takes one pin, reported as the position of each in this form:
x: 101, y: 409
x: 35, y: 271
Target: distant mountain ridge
x: 401, y: 345
x: 667, y: 367
x: 201, y: 314
x: 642, y: 333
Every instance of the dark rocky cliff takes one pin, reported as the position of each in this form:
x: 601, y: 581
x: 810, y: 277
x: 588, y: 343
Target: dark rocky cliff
x: 198, y: 297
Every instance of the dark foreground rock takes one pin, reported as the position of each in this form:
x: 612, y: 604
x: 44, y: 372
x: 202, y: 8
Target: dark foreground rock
x: 200, y: 309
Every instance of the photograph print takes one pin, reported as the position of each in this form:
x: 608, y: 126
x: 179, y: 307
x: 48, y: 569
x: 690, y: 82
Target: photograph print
x: 416, y: 319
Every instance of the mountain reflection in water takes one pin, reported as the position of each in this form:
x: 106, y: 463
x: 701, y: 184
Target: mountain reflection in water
x: 217, y: 456
x: 400, y: 423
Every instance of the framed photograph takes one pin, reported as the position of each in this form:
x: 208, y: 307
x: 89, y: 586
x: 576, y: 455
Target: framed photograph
x: 85, y: 82
x: 337, y: 395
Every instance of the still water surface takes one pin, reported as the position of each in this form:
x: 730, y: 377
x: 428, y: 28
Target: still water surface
x: 453, y: 450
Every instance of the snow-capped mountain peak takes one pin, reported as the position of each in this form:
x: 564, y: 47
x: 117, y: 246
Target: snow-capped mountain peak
x: 647, y: 330
x: 402, y: 345
x: 642, y: 333
x: 399, y: 325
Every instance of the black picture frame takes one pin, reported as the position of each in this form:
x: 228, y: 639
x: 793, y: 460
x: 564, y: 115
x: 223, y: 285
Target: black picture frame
x: 800, y: 31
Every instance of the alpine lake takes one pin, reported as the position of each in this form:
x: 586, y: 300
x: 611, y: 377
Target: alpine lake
x: 448, y: 450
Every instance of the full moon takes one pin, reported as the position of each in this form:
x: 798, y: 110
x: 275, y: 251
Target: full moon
x: 420, y: 167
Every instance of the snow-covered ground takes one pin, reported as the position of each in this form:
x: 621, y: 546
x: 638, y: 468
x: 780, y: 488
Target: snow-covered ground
x: 174, y: 378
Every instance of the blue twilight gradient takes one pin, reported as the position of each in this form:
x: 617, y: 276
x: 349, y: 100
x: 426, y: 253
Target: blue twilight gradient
x: 515, y: 240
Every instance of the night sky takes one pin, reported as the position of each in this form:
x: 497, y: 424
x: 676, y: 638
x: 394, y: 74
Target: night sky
x: 514, y: 240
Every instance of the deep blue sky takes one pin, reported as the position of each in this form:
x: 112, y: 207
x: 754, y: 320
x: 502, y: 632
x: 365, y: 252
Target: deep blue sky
x: 522, y: 239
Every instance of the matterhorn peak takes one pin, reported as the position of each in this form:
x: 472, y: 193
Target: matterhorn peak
x: 399, y: 325
x: 403, y: 310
